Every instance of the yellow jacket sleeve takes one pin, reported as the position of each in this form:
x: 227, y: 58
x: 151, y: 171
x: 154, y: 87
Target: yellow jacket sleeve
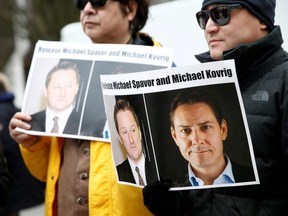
x: 36, y: 157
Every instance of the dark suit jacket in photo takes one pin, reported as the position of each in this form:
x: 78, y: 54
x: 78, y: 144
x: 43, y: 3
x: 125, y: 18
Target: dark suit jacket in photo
x: 241, y: 174
x: 125, y: 173
x: 72, y: 125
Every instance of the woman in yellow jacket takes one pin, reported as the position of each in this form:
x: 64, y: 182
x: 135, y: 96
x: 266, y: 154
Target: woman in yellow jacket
x: 106, y: 196
x: 103, y: 21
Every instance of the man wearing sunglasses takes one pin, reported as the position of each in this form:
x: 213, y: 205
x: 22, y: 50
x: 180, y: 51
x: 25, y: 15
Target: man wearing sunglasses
x: 243, y: 30
x: 80, y: 174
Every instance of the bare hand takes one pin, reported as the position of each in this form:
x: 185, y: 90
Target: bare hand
x: 21, y: 120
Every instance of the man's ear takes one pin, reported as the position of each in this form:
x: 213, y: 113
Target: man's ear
x: 77, y: 89
x: 224, y: 129
x: 263, y: 26
x: 140, y: 133
x: 120, y: 140
x: 173, y: 134
x: 132, y: 10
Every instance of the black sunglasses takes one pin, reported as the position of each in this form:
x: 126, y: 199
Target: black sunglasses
x: 95, y: 3
x: 220, y: 15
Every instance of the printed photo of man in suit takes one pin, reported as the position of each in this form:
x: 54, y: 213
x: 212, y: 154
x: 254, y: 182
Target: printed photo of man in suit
x: 199, y: 129
x: 61, y: 87
x: 136, y: 168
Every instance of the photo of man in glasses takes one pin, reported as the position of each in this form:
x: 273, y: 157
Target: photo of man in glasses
x: 243, y: 30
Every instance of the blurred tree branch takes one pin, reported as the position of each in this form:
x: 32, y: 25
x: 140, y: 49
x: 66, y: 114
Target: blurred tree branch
x: 6, y: 32
x: 43, y: 20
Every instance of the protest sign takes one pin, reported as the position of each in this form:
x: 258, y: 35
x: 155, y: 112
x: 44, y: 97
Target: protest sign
x: 166, y: 156
x: 75, y: 98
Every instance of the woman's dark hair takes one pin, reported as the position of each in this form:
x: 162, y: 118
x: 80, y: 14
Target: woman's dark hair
x: 141, y: 15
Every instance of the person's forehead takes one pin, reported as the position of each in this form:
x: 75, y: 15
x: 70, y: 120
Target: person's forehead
x: 126, y: 115
x: 199, y: 104
x: 209, y: 7
x: 63, y: 75
x: 199, y: 107
x: 64, y: 71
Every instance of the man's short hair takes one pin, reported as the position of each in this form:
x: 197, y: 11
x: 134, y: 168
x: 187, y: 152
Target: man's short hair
x: 123, y: 105
x: 196, y: 96
x: 63, y: 65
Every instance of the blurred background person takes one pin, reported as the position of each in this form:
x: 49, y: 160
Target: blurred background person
x: 26, y: 190
x: 5, y: 182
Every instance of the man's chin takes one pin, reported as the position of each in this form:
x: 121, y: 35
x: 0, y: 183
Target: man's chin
x: 216, y: 54
x: 217, y: 57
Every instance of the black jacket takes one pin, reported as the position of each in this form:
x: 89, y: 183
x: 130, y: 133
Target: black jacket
x: 262, y: 71
x: 5, y: 182
x: 39, y: 119
x: 125, y: 173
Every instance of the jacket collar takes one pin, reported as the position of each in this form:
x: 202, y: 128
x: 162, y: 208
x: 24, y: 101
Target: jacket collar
x: 142, y: 38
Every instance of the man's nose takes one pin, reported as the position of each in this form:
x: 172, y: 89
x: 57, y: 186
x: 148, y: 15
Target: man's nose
x: 195, y: 136
x: 88, y: 9
x: 62, y: 91
x: 131, y: 140
x: 211, y: 26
